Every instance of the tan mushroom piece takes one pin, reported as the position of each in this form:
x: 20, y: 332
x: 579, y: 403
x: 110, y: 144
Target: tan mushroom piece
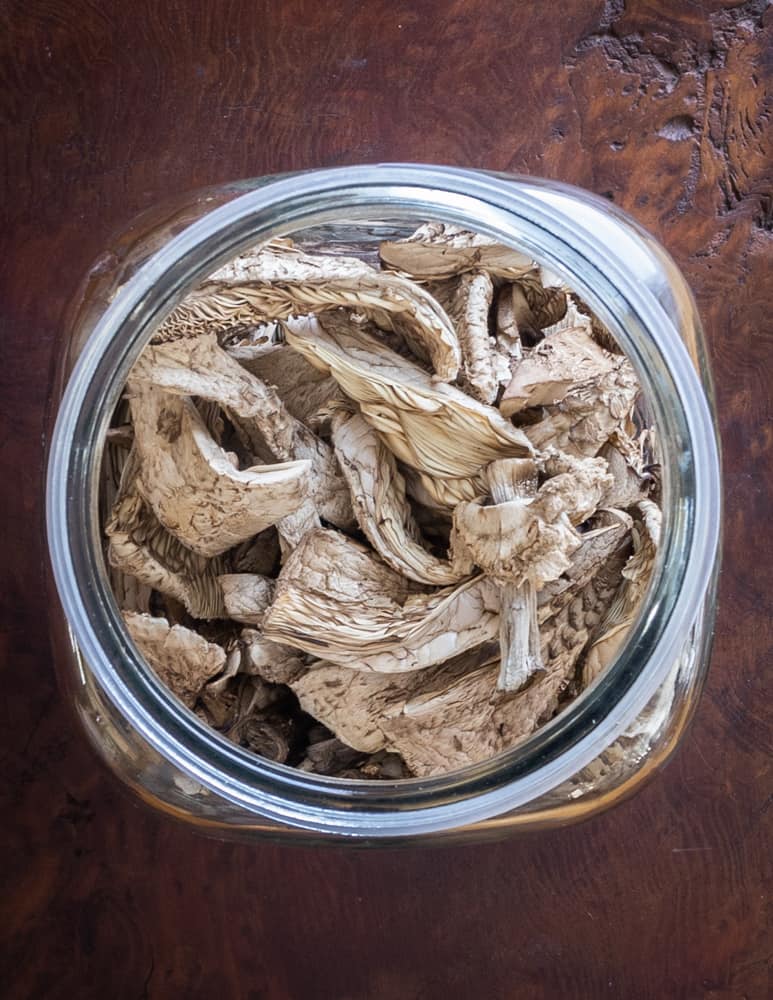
x: 432, y: 427
x: 183, y: 660
x: 141, y: 547
x: 380, y: 503
x: 452, y: 715
x: 637, y: 573
x: 440, y: 250
x: 522, y: 541
x: 194, y: 487
x: 246, y: 596
x: 467, y: 301
x: 200, y: 367
x: 277, y: 281
x: 336, y: 600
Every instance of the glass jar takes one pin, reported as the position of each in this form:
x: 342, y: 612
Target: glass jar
x: 606, y: 742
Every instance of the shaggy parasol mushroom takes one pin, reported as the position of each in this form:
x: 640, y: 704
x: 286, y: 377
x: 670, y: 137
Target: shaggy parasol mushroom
x: 195, y: 488
x: 182, y: 658
x: 440, y: 250
x: 380, y: 503
x: 436, y: 429
x: 277, y: 281
x: 523, y: 540
x: 141, y: 547
x: 452, y: 715
x: 337, y: 600
x: 636, y: 573
x: 200, y: 367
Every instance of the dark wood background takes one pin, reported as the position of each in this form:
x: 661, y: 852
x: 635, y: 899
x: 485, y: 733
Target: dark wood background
x: 664, y: 107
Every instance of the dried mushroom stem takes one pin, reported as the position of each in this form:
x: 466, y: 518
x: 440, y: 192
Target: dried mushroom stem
x: 516, y: 479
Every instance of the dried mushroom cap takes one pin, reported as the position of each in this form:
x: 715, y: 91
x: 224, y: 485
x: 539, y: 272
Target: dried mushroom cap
x: 193, y: 486
x: 590, y: 413
x: 451, y: 715
x: 380, y: 504
x: 183, y: 660
x: 200, y: 367
x: 636, y: 575
x: 276, y: 663
x: 467, y: 300
x: 627, y: 466
x: 246, y: 596
x: 336, y: 600
x: 434, y: 428
x: 304, y: 390
x: 440, y: 250
x: 277, y: 282
x: 141, y: 547
x: 547, y: 373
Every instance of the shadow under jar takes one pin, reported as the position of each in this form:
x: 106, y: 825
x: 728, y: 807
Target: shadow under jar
x: 605, y: 742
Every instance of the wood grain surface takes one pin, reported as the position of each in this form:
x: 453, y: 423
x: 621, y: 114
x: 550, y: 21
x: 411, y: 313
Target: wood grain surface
x: 663, y: 107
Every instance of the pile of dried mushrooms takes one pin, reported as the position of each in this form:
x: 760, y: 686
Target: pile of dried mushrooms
x: 380, y: 520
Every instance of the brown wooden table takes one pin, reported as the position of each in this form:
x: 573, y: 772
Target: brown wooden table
x: 663, y: 107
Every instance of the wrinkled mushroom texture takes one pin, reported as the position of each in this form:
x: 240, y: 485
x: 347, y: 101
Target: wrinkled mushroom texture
x: 467, y: 300
x: 589, y: 413
x: 183, y: 660
x: 531, y: 538
x: 337, y: 600
x: 626, y: 462
x: 451, y: 715
x: 276, y: 663
x: 277, y: 282
x: 441, y: 250
x: 636, y: 573
x: 141, y: 547
x: 304, y: 390
x: 434, y: 428
x: 246, y: 596
x: 550, y: 370
x: 200, y: 367
x: 193, y: 486
x: 380, y: 504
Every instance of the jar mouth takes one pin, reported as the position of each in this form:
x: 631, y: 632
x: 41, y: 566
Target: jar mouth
x: 612, y: 271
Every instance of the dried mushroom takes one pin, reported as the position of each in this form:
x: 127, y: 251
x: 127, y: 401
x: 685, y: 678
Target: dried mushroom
x: 380, y: 523
x: 195, y: 488
x: 279, y: 281
x: 182, y: 658
x: 335, y: 599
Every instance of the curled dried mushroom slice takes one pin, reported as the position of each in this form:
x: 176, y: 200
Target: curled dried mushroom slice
x: 141, y: 547
x: 200, y: 367
x: 194, y: 487
x: 467, y: 300
x: 336, y: 600
x: 277, y: 281
x: 380, y: 503
x: 441, y: 250
x: 434, y: 428
x: 183, y: 659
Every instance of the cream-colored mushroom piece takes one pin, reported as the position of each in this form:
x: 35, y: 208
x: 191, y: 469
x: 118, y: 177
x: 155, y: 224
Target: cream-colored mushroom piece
x: 380, y: 503
x: 452, y: 715
x: 246, y: 596
x: 277, y: 281
x: 586, y: 393
x: 637, y: 573
x: 434, y: 428
x: 199, y: 367
x: 142, y: 548
x: 625, y: 457
x: 305, y: 391
x: 335, y: 599
x: 522, y: 540
x: 467, y: 300
x: 183, y: 660
x: 195, y: 488
x: 441, y: 250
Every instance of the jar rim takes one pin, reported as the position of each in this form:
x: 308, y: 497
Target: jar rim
x: 522, y: 211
